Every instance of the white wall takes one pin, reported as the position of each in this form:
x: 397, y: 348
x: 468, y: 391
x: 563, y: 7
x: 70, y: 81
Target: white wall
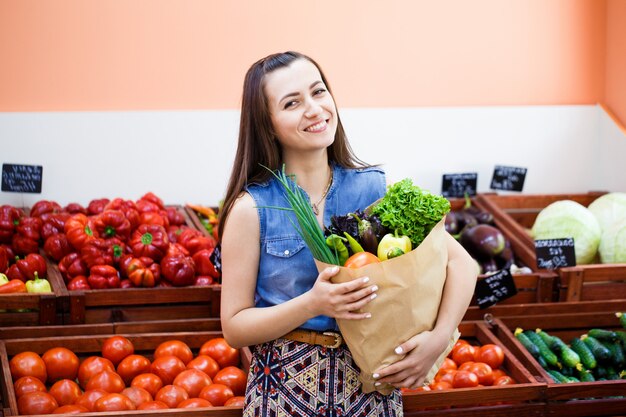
x: 186, y: 156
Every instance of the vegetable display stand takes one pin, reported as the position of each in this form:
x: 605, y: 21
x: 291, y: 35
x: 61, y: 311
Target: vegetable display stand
x: 91, y: 345
x: 535, y: 287
x: 597, y: 398
x: 31, y: 309
x: 593, y: 282
x: 522, y: 398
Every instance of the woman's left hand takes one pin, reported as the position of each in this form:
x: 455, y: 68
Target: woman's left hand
x: 422, y: 351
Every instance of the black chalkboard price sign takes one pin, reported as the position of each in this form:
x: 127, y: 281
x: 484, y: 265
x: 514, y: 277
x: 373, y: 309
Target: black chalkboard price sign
x: 22, y: 178
x: 508, y: 178
x: 457, y: 185
x: 555, y: 253
x: 494, y: 288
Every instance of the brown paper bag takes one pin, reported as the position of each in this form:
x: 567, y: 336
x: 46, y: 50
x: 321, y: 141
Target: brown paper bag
x: 410, y: 291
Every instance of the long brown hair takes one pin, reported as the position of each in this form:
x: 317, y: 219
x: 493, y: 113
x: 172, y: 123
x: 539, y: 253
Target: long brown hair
x: 256, y: 145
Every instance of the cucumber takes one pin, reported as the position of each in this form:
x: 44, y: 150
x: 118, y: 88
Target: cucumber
x: 586, y: 356
x: 557, y: 377
x: 527, y: 343
x: 545, y: 336
x: 600, y: 351
x: 542, y: 362
x: 617, y: 354
x: 569, y: 358
x: 585, y: 375
x: 572, y: 379
x: 549, y: 356
x: 603, y: 335
x: 621, y: 335
x: 601, y: 373
x: 622, y: 318
x: 612, y: 374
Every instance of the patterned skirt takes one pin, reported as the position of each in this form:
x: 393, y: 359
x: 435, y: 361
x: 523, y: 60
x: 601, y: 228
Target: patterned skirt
x: 289, y: 378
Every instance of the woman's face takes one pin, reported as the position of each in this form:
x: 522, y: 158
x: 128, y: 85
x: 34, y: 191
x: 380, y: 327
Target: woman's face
x: 302, y: 109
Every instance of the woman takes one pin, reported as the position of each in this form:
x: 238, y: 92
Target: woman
x: 272, y: 295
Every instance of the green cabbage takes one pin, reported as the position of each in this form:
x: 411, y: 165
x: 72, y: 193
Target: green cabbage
x: 565, y: 219
x: 609, y: 208
x: 613, y: 243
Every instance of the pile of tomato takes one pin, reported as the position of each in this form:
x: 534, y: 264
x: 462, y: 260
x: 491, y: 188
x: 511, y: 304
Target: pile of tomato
x: 58, y: 382
x: 469, y: 366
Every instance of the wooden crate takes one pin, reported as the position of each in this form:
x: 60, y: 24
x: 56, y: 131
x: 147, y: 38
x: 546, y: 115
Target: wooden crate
x: 39, y: 309
x: 599, y: 398
x: 523, y: 397
x: 87, y: 345
x: 593, y: 282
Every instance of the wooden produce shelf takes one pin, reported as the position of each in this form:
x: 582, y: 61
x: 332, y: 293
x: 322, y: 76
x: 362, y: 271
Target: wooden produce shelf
x: 598, y: 398
x: 523, y: 398
x: 90, y: 344
x: 35, y: 309
x: 583, y: 282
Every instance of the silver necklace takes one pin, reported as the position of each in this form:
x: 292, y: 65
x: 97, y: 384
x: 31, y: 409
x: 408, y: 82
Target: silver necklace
x: 315, y: 206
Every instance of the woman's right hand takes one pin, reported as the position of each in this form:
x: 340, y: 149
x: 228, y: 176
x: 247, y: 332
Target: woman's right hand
x: 340, y: 301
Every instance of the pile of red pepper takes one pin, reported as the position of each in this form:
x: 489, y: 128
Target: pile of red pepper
x: 112, y: 243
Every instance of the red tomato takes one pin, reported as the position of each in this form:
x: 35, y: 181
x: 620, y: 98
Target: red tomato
x: 28, y: 384
x: 36, y: 402
x: 116, y: 348
x: 447, y: 375
x: 131, y: 366
x: 153, y: 405
x: 465, y: 379
x: 234, y: 378
x: 28, y: 364
x: 61, y: 363
x: 137, y: 395
x: 148, y: 381
x: 91, y: 366
x: 71, y: 409
x: 466, y: 366
x: 219, y: 349
x: 114, y: 402
x: 192, y: 381
x: 497, y: 373
x: 414, y: 390
x: 65, y: 391
x: 483, y: 372
x: 174, y: 348
x: 89, y: 398
x: 166, y: 368
x: 448, y: 363
x: 360, y: 259
x: 463, y: 353
x: 216, y: 394
x: 194, y: 403
x: 109, y: 381
x: 504, y: 380
x: 491, y: 354
x: 440, y: 386
x: 235, y: 401
x: 206, y: 364
x: 171, y: 395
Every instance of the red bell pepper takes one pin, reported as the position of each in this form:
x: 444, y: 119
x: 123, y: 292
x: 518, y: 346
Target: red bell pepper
x: 23, y: 245
x: 203, y: 281
x: 29, y: 227
x: 179, y: 270
x: 139, y: 274
x: 96, y: 206
x: 151, y: 197
x: 175, y: 217
x: 72, y: 266
x: 78, y: 283
x: 79, y: 230
x: 4, y: 259
x: 9, y: 219
x: 44, y: 206
x: 126, y: 283
x: 32, y: 266
x: 112, y: 223
x: 176, y: 249
x: 155, y: 217
x: 12, y: 287
x: 149, y: 240
x: 204, y: 266
x: 75, y: 208
x: 54, y: 223
x: 103, y: 277
x: 128, y: 207
x: 57, y: 246
x: 145, y: 206
x: 96, y: 252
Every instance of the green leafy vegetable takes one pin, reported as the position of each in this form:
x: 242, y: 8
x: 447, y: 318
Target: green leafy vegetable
x: 411, y: 210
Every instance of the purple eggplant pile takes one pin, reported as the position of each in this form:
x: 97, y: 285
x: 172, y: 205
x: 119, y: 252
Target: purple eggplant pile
x: 476, y: 232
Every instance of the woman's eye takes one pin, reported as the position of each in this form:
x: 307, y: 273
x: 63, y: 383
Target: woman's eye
x: 319, y: 91
x: 289, y: 104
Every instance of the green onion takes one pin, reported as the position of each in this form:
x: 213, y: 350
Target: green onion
x: 309, y: 229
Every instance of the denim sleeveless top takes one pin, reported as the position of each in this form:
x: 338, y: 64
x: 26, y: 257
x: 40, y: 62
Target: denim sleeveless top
x: 286, y: 267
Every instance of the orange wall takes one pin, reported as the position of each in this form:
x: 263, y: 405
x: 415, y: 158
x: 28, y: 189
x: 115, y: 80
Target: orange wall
x: 192, y: 54
x: 615, y: 93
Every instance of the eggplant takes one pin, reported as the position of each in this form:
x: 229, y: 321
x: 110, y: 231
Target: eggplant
x: 452, y: 224
x: 483, y: 241
x: 505, y: 258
